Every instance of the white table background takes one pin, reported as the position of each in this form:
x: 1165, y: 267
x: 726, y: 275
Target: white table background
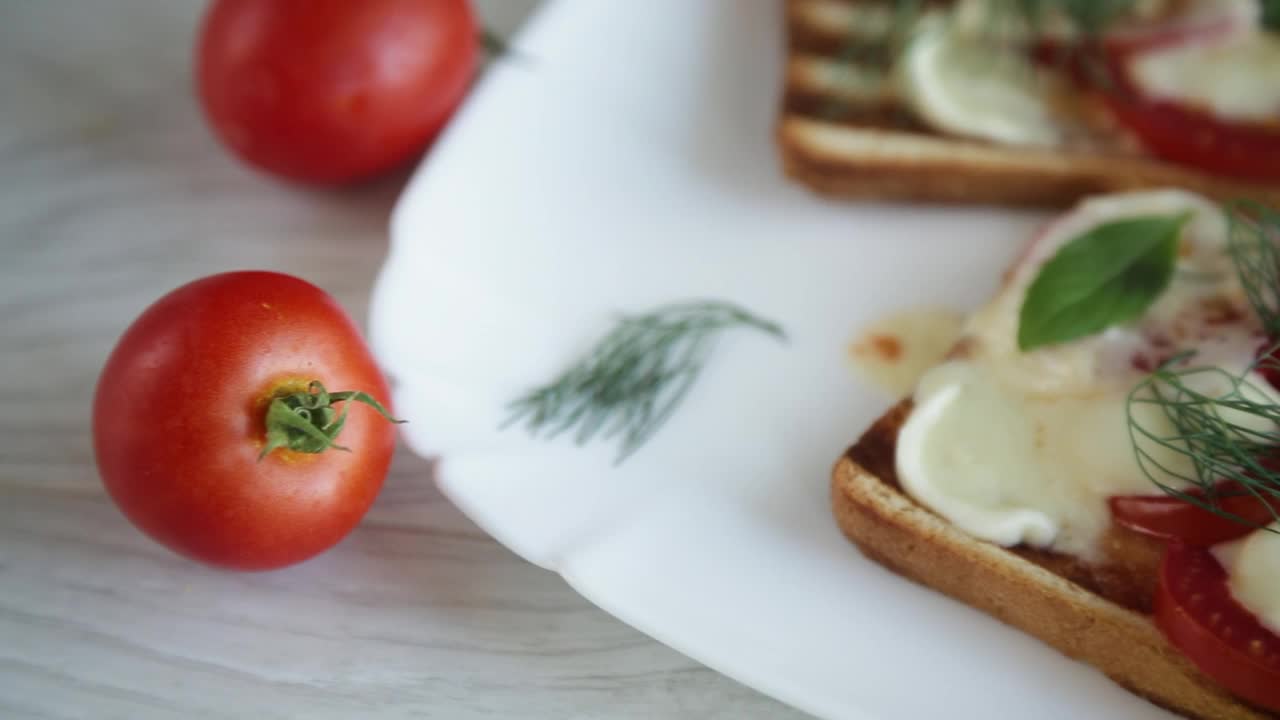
x: 111, y: 193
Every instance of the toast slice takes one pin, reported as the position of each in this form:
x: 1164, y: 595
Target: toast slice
x: 846, y: 131
x: 1096, y: 613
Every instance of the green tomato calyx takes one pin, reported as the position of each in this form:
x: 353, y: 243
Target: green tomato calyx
x: 308, y: 422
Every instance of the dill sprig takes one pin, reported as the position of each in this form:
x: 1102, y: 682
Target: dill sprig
x: 1217, y: 437
x: 1255, y: 249
x: 1225, y: 428
x: 635, y: 377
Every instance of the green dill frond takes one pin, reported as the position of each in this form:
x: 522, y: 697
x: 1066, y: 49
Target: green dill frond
x: 1255, y: 248
x: 632, y: 381
x: 1225, y: 426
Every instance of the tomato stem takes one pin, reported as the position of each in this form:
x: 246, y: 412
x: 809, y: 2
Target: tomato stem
x: 493, y: 43
x: 307, y: 421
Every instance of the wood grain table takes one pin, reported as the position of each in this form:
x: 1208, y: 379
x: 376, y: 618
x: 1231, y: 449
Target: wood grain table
x: 111, y: 193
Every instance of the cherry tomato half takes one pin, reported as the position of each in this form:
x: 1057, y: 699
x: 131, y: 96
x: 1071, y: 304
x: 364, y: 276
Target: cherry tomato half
x: 330, y: 91
x: 186, y: 402
x: 1188, y: 135
x: 1196, y: 612
x: 1168, y: 517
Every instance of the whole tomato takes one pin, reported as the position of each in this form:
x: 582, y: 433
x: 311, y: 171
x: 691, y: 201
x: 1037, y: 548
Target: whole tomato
x: 216, y: 426
x: 330, y: 91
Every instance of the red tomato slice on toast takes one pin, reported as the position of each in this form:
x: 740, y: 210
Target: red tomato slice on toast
x: 1196, y: 612
x: 1172, y: 518
x: 1183, y: 133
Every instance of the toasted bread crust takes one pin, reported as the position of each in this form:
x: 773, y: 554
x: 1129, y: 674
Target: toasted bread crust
x: 1093, y: 613
x: 874, y: 147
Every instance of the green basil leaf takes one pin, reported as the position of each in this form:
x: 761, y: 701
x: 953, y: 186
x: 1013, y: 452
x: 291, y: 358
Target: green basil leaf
x: 1107, y: 276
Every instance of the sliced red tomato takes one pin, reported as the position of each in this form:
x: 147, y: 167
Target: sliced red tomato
x: 1189, y: 136
x: 1186, y: 134
x: 1177, y: 132
x: 1171, y: 518
x: 1196, y: 612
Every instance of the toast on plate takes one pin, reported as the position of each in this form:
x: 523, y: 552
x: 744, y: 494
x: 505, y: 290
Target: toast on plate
x: 1098, y: 614
x: 847, y: 128
x: 1091, y: 595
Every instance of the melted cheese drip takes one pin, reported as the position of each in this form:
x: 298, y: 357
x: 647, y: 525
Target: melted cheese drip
x: 894, y: 352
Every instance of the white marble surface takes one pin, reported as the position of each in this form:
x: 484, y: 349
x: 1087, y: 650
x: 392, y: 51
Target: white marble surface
x: 111, y: 193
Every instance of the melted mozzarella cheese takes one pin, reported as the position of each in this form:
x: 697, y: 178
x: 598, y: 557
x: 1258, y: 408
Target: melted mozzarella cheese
x: 1008, y: 468
x: 1012, y: 468
x: 1251, y: 565
x: 1020, y: 447
x: 966, y: 73
x: 1205, y: 282
x: 1235, y: 80
x: 967, y: 85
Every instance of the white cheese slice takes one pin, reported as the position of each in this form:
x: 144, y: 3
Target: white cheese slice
x: 1236, y: 80
x: 1011, y: 468
x: 967, y: 85
x: 1253, y: 568
x: 959, y: 452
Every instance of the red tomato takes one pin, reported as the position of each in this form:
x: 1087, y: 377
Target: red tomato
x: 1188, y: 135
x: 330, y: 91
x: 1268, y: 365
x: 180, y: 421
x: 1196, y: 612
x: 1168, y: 517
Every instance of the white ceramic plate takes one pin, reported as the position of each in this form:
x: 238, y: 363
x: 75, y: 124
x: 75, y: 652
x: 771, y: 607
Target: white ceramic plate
x: 625, y: 163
